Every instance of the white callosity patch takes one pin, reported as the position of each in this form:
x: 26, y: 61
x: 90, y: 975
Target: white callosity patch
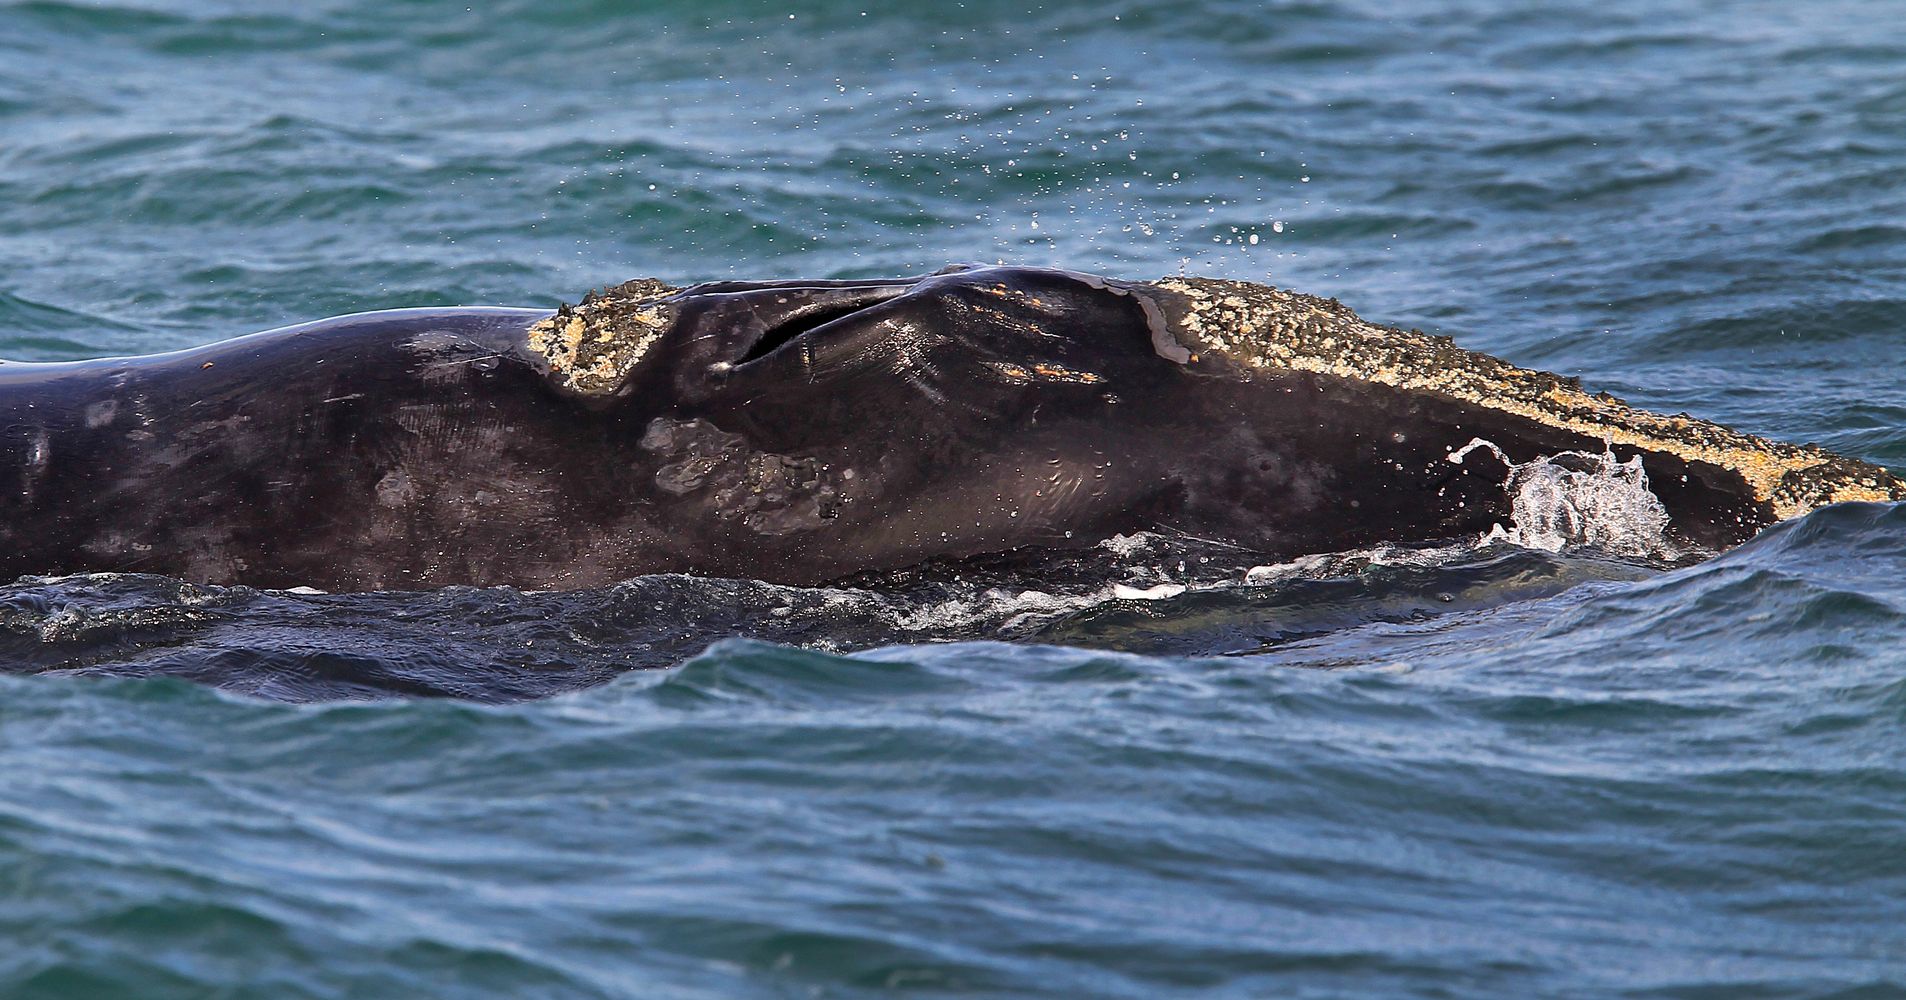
x: 1576, y: 499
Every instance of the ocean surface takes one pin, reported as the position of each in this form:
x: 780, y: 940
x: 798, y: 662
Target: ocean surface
x: 1469, y: 770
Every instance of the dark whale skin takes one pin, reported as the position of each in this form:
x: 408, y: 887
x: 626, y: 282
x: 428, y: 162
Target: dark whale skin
x: 795, y: 432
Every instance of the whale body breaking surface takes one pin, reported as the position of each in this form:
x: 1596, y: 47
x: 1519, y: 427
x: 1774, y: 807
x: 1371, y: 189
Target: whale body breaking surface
x: 805, y: 431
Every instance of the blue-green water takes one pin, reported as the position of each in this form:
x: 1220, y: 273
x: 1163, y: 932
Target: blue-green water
x: 1481, y: 773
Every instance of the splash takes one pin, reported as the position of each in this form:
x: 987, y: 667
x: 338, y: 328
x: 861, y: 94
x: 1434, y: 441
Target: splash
x: 1578, y: 499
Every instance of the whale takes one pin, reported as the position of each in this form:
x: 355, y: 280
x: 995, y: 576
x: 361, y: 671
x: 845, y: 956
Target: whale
x: 804, y: 431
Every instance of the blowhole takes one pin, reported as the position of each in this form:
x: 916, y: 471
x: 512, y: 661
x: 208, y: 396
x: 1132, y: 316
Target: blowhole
x: 791, y: 329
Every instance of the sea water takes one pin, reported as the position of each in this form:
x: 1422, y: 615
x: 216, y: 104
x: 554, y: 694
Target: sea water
x: 1473, y: 769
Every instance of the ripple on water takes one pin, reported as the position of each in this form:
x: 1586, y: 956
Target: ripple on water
x: 1494, y: 774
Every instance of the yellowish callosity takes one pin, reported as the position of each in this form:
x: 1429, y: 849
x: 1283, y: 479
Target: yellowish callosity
x: 591, y: 347
x: 1268, y: 328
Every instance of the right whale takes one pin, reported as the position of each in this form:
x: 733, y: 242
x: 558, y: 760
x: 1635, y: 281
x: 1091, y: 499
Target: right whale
x: 805, y: 431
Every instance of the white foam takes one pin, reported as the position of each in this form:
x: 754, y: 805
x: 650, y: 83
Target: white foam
x: 1008, y: 608
x: 1157, y: 593
x: 1125, y: 546
x: 1576, y: 498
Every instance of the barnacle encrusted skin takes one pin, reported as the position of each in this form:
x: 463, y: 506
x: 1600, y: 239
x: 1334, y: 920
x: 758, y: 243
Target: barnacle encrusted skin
x: 1268, y: 328
x: 592, y: 346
